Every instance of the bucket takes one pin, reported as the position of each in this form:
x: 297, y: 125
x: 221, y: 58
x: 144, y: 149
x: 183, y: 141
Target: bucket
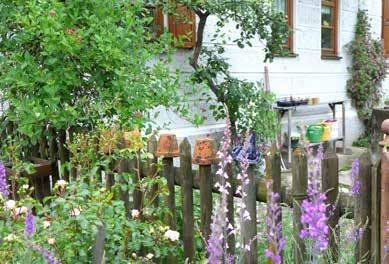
x: 333, y: 123
x: 315, y: 133
x: 326, y: 132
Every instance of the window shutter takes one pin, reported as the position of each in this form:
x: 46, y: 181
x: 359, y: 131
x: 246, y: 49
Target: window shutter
x: 158, y: 22
x: 183, y: 27
x: 385, y: 27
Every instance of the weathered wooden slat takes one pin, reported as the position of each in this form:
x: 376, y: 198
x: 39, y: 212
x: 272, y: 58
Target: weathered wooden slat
x: 187, y: 200
x: 152, y: 169
x: 124, y: 194
x: 375, y: 213
x: 363, y: 208
x: 98, y: 249
x: 249, y: 226
x: 205, y: 200
x: 136, y: 169
x: 330, y: 185
x: 63, y: 152
x: 168, y: 173
x: 299, y: 187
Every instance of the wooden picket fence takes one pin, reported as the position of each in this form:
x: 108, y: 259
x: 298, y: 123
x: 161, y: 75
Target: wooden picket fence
x: 52, y: 148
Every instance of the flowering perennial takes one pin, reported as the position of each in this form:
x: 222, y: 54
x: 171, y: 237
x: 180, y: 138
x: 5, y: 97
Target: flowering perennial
x: 220, y: 227
x: 274, y: 226
x: 355, y: 183
x: 314, y: 218
x: 29, y: 225
x: 46, y: 254
x: 3, y: 181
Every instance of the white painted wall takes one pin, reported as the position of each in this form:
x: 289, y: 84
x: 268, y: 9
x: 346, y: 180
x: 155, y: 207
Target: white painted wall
x: 306, y: 75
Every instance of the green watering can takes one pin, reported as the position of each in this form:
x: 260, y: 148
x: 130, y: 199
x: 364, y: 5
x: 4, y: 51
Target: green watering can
x: 315, y: 133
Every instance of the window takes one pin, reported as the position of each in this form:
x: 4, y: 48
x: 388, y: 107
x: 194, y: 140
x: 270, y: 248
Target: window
x: 286, y: 7
x: 329, y: 28
x: 385, y: 26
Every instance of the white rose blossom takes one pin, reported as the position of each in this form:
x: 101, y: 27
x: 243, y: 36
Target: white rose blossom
x: 172, y: 235
x: 134, y: 213
x: 46, y: 224
x: 75, y: 211
x: 10, y: 237
x: 62, y: 183
x: 149, y: 256
x: 10, y: 204
x: 51, y: 241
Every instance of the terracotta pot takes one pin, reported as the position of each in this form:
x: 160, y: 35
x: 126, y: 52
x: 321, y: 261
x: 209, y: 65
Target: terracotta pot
x: 133, y: 140
x: 204, y: 152
x: 43, y: 168
x: 167, y: 146
x: 385, y: 130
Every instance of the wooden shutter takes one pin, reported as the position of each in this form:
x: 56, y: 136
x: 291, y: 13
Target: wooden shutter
x: 183, y: 27
x: 385, y: 26
x: 158, y: 22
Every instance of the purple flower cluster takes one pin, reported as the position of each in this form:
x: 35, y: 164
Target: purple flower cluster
x: 46, y: 254
x: 274, y: 226
x: 314, y: 217
x: 29, y: 225
x: 355, y: 183
x: 3, y: 181
x: 315, y: 221
x: 220, y: 227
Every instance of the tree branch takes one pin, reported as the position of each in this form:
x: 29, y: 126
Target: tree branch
x: 194, y: 61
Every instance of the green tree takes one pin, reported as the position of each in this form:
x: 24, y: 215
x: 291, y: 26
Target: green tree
x: 79, y: 63
x: 255, y: 20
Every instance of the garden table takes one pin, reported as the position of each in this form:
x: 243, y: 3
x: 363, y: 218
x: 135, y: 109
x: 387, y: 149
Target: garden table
x: 282, y: 110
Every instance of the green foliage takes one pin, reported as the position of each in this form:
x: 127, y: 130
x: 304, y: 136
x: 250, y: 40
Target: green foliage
x: 78, y: 63
x: 367, y: 71
x: 72, y: 214
x: 363, y: 141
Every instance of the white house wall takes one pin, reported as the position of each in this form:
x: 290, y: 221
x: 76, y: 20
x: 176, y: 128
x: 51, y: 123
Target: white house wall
x: 307, y: 75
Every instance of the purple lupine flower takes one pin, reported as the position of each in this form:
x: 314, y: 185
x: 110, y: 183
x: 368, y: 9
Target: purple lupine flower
x: 220, y: 227
x: 314, y: 218
x: 355, y: 183
x: 46, y: 254
x: 3, y: 181
x: 274, y: 226
x: 314, y: 171
x: 315, y: 221
x: 29, y: 225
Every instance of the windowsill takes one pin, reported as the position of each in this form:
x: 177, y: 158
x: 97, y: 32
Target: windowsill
x: 288, y: 55
x: 330, y: 57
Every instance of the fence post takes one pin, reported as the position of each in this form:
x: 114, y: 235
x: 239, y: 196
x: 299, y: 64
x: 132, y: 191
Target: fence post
x: 98, y: 249
x: 187, y: 199
x: 124, y: 195
x: 362, y: 208
x: 249, y: 227
x: 384, y: 190
x: 204, y: 156
x: 152, y: 169
x: 273, y: 172
x: 330, y: 185
x: 136, y: 167
x: 168, y: 149
x: 299, y: 192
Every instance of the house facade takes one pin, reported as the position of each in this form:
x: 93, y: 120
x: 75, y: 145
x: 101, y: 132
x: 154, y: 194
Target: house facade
x: 317, y: 66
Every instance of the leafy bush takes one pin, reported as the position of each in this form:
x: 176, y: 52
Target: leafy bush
x: 367, y: 71
x: 79, y: 63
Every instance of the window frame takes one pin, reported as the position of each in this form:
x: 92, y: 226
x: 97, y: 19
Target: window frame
x: 333, y: 52
x: 289, y: 46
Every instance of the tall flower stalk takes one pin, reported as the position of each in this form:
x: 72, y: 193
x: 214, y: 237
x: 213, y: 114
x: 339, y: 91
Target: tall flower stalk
x: 3, y: 181
x: 220, y: 227
x: 274, y: 226
x: 243, y: 177
x: 355, y: 183
x: 314, y: 217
